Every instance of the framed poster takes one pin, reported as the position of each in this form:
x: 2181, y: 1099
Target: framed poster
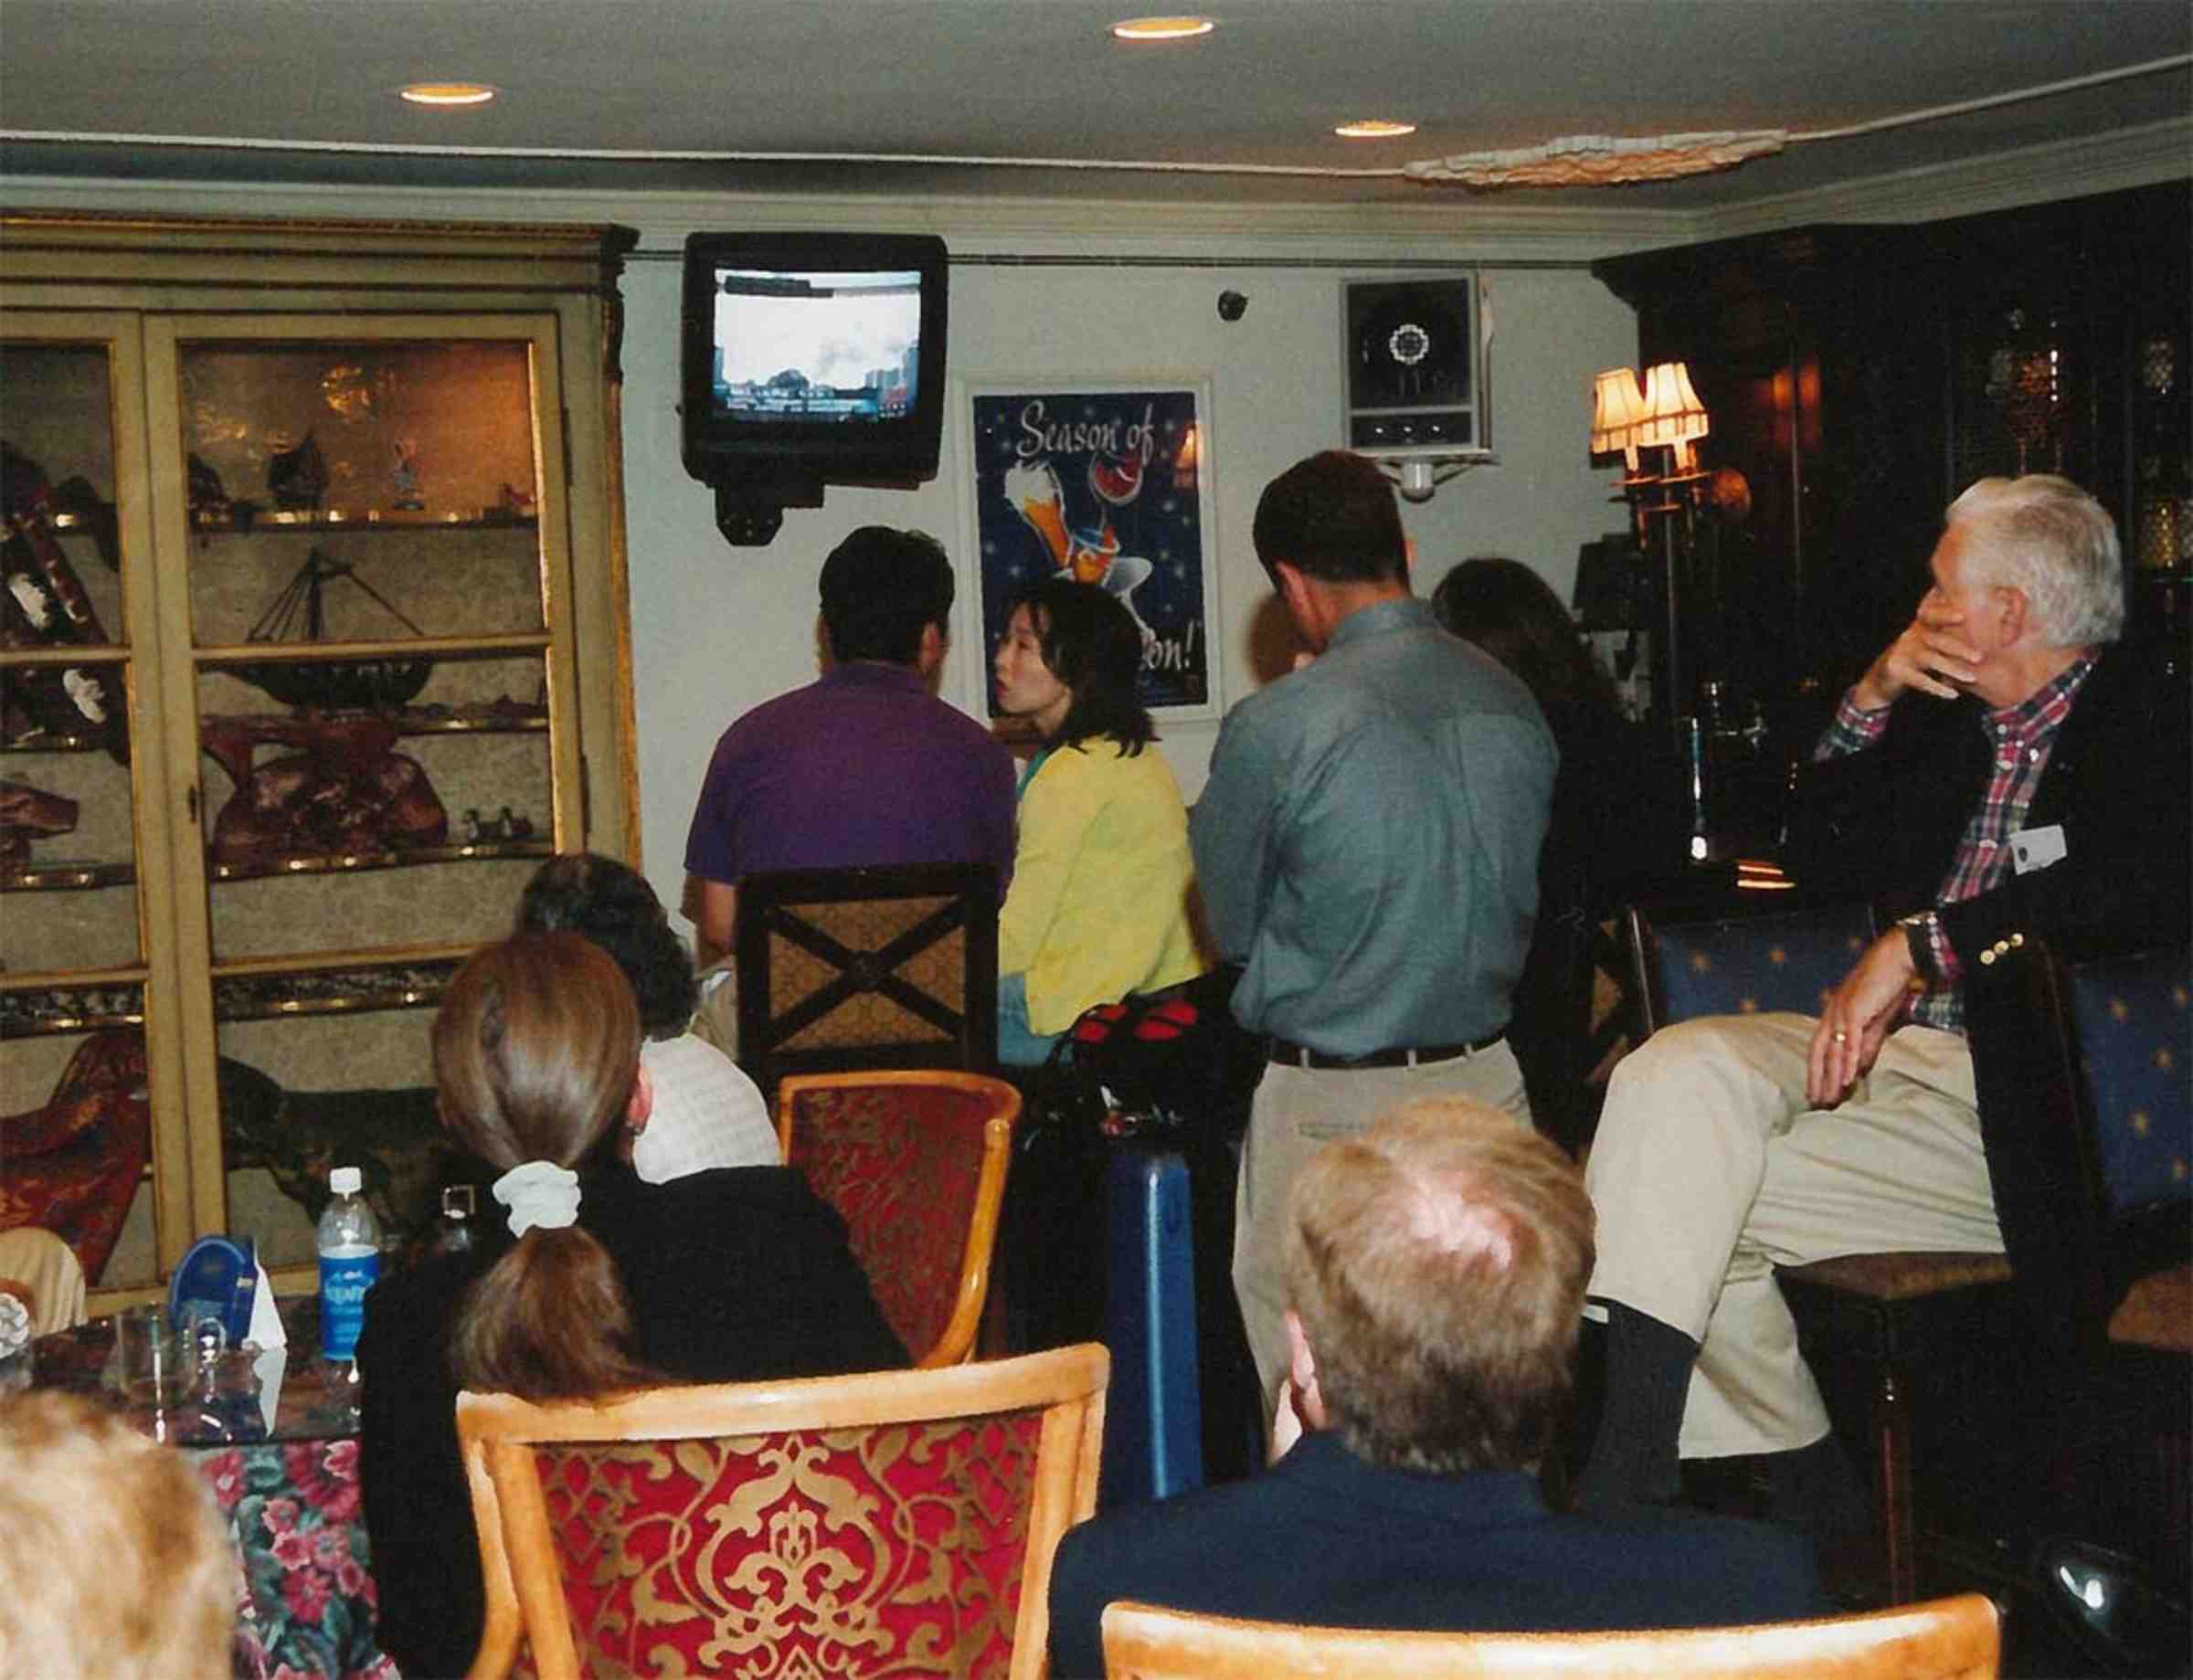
x: 1109, y: 482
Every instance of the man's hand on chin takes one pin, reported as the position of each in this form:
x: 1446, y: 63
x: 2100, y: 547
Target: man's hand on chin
x: 1929, y: 656
x: 1857, y: 1019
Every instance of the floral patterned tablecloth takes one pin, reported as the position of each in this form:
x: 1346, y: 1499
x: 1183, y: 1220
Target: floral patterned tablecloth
x: 308, y: 1595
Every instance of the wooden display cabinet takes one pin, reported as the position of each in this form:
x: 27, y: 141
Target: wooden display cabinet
x: 317, y: 642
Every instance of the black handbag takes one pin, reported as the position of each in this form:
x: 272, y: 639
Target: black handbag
x: 1160, y: 1063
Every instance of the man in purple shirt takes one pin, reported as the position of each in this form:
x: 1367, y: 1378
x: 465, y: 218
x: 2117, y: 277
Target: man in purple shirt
x: 864, y: 767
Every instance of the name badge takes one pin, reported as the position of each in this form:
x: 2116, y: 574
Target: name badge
x: 2032, y: 849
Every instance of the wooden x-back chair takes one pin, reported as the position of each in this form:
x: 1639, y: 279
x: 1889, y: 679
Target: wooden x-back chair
x: 848, y: 968
x: 1948, y: 1639
x: 879, y: 1525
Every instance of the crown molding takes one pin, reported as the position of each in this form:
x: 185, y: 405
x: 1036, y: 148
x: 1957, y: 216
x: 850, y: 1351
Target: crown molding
x: 1006, y: 228
x: 1420, y: 225
x: 2005, y: 181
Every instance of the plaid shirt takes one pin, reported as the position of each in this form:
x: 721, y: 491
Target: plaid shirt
x: 2024, y: 736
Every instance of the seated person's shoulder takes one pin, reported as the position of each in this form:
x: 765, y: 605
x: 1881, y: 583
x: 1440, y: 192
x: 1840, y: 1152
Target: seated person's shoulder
x: 1700, y: 1570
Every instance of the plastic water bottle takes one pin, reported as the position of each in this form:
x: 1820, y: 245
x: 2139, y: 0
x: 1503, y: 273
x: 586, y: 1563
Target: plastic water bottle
x: 350, y: 1264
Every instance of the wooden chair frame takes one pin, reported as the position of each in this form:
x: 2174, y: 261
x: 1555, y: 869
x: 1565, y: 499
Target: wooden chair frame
x: 497, y: 1434
x: 957, y: 1344
x: 1947, y: 1639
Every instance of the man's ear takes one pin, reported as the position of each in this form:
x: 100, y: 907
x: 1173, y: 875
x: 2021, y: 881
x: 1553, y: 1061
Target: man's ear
x: 2017, y: 611
x: 1303, y: 603
x: 1302, y: 1370
x: 643, y: 1100
x: 933, y: 645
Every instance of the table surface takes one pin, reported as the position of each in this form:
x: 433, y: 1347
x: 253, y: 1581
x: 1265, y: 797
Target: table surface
x: 78, y: 1360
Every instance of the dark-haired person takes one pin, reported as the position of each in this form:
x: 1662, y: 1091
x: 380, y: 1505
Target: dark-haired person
x: 1101, y: 877
x: 1611, y: 821
x: 706, y: 1113
x: 865, y: 766
x: 1435, y: 1265
x: 1367, y: 845
x: 598, y: 1283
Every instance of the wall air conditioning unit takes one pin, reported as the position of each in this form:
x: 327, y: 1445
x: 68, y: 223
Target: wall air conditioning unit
x: 1416, y: 386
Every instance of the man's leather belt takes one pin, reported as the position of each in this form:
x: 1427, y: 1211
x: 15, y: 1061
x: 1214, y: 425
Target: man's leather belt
x: 1287, y: 1053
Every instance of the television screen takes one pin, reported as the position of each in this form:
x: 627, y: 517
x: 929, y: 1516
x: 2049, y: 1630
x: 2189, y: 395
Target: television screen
x: 813, y: 358
x: 844, y: 348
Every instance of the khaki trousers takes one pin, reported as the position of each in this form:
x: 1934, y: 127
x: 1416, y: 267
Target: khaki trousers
x: 1709, y: 1170
x: 1297, y: 1110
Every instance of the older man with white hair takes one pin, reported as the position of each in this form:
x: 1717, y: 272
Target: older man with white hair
x: 2001, y: 772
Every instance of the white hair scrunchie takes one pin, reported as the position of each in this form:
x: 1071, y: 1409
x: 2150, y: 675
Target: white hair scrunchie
x: 539, y: 1193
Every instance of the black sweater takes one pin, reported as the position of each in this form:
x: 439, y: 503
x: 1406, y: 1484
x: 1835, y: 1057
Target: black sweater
x: 735, y: 1275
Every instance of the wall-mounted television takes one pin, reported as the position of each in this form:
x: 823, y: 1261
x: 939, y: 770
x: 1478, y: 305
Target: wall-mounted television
x: 812, y: 359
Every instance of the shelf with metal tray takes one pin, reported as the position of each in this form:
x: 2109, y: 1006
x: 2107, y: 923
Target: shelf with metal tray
x: 408, y: 857
x: 360, y: 519
x: 36, y: 1005
x: 48, y: 741
x: 68, y: 877
x: 272, y: 991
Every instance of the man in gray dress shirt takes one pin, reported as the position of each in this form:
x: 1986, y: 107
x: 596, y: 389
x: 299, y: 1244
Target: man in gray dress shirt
x: 1367, y: 846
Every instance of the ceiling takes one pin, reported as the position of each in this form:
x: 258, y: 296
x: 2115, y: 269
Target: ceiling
x: 601, y: 92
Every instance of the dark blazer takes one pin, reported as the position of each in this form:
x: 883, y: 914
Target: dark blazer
x: 1886, y: 823
x: 1324, y: 1538
x: 735, y: 1274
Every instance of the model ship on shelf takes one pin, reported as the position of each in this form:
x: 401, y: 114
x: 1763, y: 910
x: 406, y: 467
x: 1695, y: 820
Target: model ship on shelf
x: 299, y: 613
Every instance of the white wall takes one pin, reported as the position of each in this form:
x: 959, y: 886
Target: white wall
x: 717, y: 630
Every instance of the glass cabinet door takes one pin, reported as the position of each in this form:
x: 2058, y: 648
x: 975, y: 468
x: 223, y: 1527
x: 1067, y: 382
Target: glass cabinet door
x: 86, y: 1110
x: 368, y: 519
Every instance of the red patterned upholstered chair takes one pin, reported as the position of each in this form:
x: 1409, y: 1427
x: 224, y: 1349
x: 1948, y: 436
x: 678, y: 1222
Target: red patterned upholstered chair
x: 893, y: 1523
x: 1948, y: 1639
x: 915, y: 1163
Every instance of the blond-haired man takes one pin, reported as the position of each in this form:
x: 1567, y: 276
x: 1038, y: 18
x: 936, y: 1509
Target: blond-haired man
x: 1435, y: 1266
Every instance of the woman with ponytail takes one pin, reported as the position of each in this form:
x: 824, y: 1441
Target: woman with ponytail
x: 590, y: 1281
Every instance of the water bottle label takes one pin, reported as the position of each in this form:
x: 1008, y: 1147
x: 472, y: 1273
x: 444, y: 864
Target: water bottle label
x: 344, y: 1281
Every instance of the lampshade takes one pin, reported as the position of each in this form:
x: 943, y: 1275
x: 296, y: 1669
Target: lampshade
x: 1673, y: 416
x: 1616, y: 410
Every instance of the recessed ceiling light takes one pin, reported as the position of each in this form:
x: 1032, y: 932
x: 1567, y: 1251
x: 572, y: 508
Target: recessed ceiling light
x: 1180, y: 27
x: 447, y: 93
x: 1374, y: 128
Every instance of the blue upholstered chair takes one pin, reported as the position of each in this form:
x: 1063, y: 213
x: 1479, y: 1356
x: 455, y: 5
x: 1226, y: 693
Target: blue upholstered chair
x: 2084, y: 1063
x: 1878, y: 1312
x: 1688, y: 965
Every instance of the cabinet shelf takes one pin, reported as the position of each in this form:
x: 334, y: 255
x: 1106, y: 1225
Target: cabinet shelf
x: 68, y: 877
x: 364, y: 519
x: 70, y: 1009
x: 492, y: 719
x: 340, y: 862
x: 272, y: 996
x: 42, y: 741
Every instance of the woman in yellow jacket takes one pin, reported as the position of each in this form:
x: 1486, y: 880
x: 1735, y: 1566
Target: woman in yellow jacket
x: 1102, y: 876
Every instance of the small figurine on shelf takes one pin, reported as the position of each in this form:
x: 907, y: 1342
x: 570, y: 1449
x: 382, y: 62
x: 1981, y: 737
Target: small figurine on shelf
x: 517, y: 503
x: 480, y: 831
x: 517, y: 827
x: 405, y: 476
